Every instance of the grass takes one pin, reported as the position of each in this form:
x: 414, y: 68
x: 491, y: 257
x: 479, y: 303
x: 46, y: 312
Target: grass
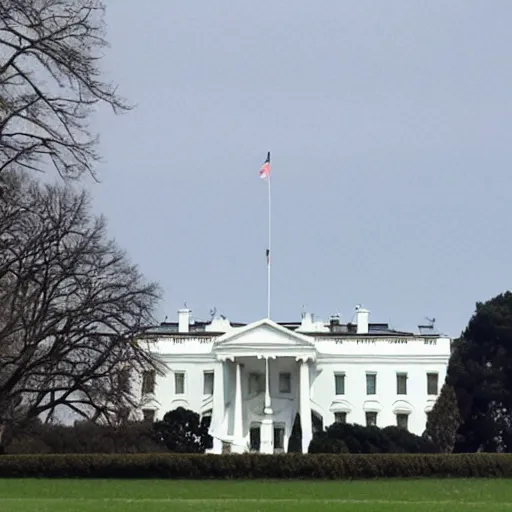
x: 255, y: 496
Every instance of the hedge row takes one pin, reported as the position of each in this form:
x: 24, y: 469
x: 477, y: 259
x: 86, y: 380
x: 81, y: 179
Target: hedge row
x: 185, y: 466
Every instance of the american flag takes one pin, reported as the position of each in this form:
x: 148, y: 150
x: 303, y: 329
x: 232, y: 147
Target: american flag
x: 265, y: 168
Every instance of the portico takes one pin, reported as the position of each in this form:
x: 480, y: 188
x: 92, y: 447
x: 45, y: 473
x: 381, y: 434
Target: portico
x: 268, y: 368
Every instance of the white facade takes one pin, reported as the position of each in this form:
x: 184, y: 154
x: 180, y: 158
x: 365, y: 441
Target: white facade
x: 253, y: 379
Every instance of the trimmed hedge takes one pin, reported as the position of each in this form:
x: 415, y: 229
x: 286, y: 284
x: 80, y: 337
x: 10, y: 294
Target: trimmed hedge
x: 247, y: 466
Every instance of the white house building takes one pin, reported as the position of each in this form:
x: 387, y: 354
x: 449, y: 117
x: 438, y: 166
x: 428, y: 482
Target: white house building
x: 252, y: 379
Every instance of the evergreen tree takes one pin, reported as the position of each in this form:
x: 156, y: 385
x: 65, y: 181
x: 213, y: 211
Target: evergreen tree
x: 444, y: 420
x: 295, y: 441
x: 480, y: 371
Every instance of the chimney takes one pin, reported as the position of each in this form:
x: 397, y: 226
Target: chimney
x: 183, y: 319
x: 362, y: 320
x: 306, y: 324
x: 334, y: 322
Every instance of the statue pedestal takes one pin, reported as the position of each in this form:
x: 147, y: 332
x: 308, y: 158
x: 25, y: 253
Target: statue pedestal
x: 267, y: 436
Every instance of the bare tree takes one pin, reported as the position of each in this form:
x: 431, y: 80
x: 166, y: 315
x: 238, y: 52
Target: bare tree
x: 50, y: 82
x: 71, y: 305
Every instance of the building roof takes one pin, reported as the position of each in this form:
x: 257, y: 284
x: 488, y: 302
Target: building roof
x: 203, y: 329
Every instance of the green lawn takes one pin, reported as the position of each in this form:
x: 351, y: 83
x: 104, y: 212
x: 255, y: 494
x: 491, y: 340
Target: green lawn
x: 252, y: 496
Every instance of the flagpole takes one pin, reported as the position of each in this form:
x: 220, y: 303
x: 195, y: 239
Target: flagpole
x: 269, y: 244
x: 265, y: 174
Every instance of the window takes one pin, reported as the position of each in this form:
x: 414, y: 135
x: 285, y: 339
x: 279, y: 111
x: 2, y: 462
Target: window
x: 148, y: 382
x: 402, y: 421
x: 278, y: 438
x: 432, y: 383
x: 339, y: 383
x: 371, y: 419
x: 285, y: 383
x: 256, y: 383
x: 179, y: 383
x: 149, y: 415
x: 208, y: 383
x: 123, y: 380
x: 401, y: 383
x: 371, y: 383
x: 340, y: 417
x: 317, y: 422
x: 255, y: 438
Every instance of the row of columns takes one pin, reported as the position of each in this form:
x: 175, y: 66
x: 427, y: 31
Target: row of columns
x: 267, y: 423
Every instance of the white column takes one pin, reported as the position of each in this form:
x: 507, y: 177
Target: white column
x: 268, y: 400
x: 238, y: 445
x: 218, y: 410
x: 305, y: 406
x: 267, y: 423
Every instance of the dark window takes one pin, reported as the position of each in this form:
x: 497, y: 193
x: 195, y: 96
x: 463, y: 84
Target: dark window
x: 208, y: 383
x: 432, y: 383
x: 278, y: 438
x: 285, y: 383
x: 340, y: 417
x: 255, y: 438
x: 339, y: 383
x: 402, y: 421
x: 371, y: 383
x: 179, y: 383
x: 123, y: 381
x: 148, y: 382
x: 401, y: 383
x: 371, y: 419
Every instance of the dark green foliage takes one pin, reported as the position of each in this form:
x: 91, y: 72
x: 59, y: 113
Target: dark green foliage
x: 295, y: 441
x: 205, y: 427
x: 349, y: 438
x: 444, y: 420
x: 402, y: 441
x: 195, y: 466
x: 480, y: 371
x: 182, y: 431
x: 86, y: 437
x: 322, y: 443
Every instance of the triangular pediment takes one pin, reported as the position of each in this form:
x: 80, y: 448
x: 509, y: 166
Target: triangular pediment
x: 265, y: 334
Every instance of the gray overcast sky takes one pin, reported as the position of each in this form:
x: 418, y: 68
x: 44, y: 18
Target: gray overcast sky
x: 390, y: 127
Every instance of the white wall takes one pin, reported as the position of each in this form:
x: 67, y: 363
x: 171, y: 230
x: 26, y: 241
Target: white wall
x: 166, y: 399
x: 415, y: 356
x: 323, y: 391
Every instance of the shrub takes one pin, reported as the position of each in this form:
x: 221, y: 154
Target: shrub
x: 298, y: 466
x: 86, y: 437
x: 183, y: 431
x: 345, y: 437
